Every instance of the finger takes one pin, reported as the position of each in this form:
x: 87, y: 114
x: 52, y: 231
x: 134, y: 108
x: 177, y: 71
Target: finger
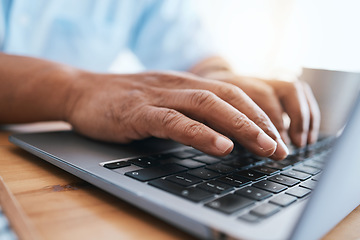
x: 170, y: 124
x: 270, y: 104
x: 221, y: 116
x: 314, y: 114
x: 242, y: 102
x: 296, y: 106
x: 228, y: 92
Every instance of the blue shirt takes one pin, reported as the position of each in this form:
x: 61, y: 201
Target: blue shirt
x: 89, y: 34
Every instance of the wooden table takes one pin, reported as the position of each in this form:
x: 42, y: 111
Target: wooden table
x: 62, y: 206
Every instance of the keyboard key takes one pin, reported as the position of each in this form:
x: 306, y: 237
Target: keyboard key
x: 230, y: 203
x: 310, y: 184
x: 147, y: 174
x: 307, y: 169
x: 308, y: 154
x: 277, y: 166
x: 168, y: 160
x: 221, y: 168
x: 207, y: 159
x: 253, y: 193
x: 297, y: 158
x: 227, y: 157
x: 289, y: 162
x: 265, y: 170
x: 283, y: 200
x: 293, y: 150
x: 249, y: 218
x: 144, y: 162
x: 204, y: 173
x: 184, y: 179
x: 316, y: 177
x: 314, y: 164
x: 251, y: 175
x: 240, y: 151
x: 287, y: 181
x: 270, y: 186
x: 116, y: 165
x: 194, y: 151
x: 160, y: 156
x: 183, y: 154
x: 265, y: 210
x: 298, y: 192
x: 190, y: 163
x: 192, y: 193
x: 234, y: 180
x: 320, y: 158
x: 215, y: 187
x: 295, y: 174
x: 240, y: 163
x: 258, y: 161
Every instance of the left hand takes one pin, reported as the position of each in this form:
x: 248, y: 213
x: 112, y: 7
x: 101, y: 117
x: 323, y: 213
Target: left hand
x: 278, y: 97
x: 275, y: 98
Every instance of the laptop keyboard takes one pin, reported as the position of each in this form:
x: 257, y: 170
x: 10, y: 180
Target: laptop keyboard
x: 241, y: 184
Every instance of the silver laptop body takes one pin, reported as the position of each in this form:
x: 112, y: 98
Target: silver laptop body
x: 336, y: 194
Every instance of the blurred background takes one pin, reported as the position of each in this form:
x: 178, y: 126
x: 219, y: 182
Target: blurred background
x: 276, y: 38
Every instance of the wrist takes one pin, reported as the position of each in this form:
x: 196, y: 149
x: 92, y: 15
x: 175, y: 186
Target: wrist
x: 78, y: 83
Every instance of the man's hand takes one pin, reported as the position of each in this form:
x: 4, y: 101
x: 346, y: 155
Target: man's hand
x: 275, y: 98
x: 195, y: 111
x: 293, y: 98
x: 191, y: 110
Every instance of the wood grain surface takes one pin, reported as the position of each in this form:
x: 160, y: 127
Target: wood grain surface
x: 62, y: 206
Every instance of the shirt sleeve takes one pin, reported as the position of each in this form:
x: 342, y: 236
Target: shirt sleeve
x: 170, y: 36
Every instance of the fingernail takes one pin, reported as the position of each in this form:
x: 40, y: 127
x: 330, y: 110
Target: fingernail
x: 283, y: 145
x: 281, y: 151
x: 266, y: 143
x: 223, y: 144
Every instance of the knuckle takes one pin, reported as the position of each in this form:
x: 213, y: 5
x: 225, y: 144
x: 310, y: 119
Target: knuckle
x: 241, y: 123
x: 227, y: 89
x: 170, y: 118
x: 202, y: 97
x: 161, y: 78
x: 263, y: 122
x: 193, y: 130
x: 268, y: 93
x: 175, y: 77
x: 230, y: 92
x: 265, y: 90
x: 292, y: 88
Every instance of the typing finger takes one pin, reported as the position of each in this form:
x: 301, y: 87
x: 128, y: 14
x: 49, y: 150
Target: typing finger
x: 207, y: 107
x: 314, y: 114
x: 293, y: 99
x: 170, y: 124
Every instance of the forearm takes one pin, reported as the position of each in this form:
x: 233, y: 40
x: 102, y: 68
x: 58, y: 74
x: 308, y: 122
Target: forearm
x: 33, y: 89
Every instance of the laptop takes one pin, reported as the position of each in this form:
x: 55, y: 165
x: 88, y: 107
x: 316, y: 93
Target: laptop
x: 240, y: 196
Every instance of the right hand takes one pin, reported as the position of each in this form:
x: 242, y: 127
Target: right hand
x: 194, y: 111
